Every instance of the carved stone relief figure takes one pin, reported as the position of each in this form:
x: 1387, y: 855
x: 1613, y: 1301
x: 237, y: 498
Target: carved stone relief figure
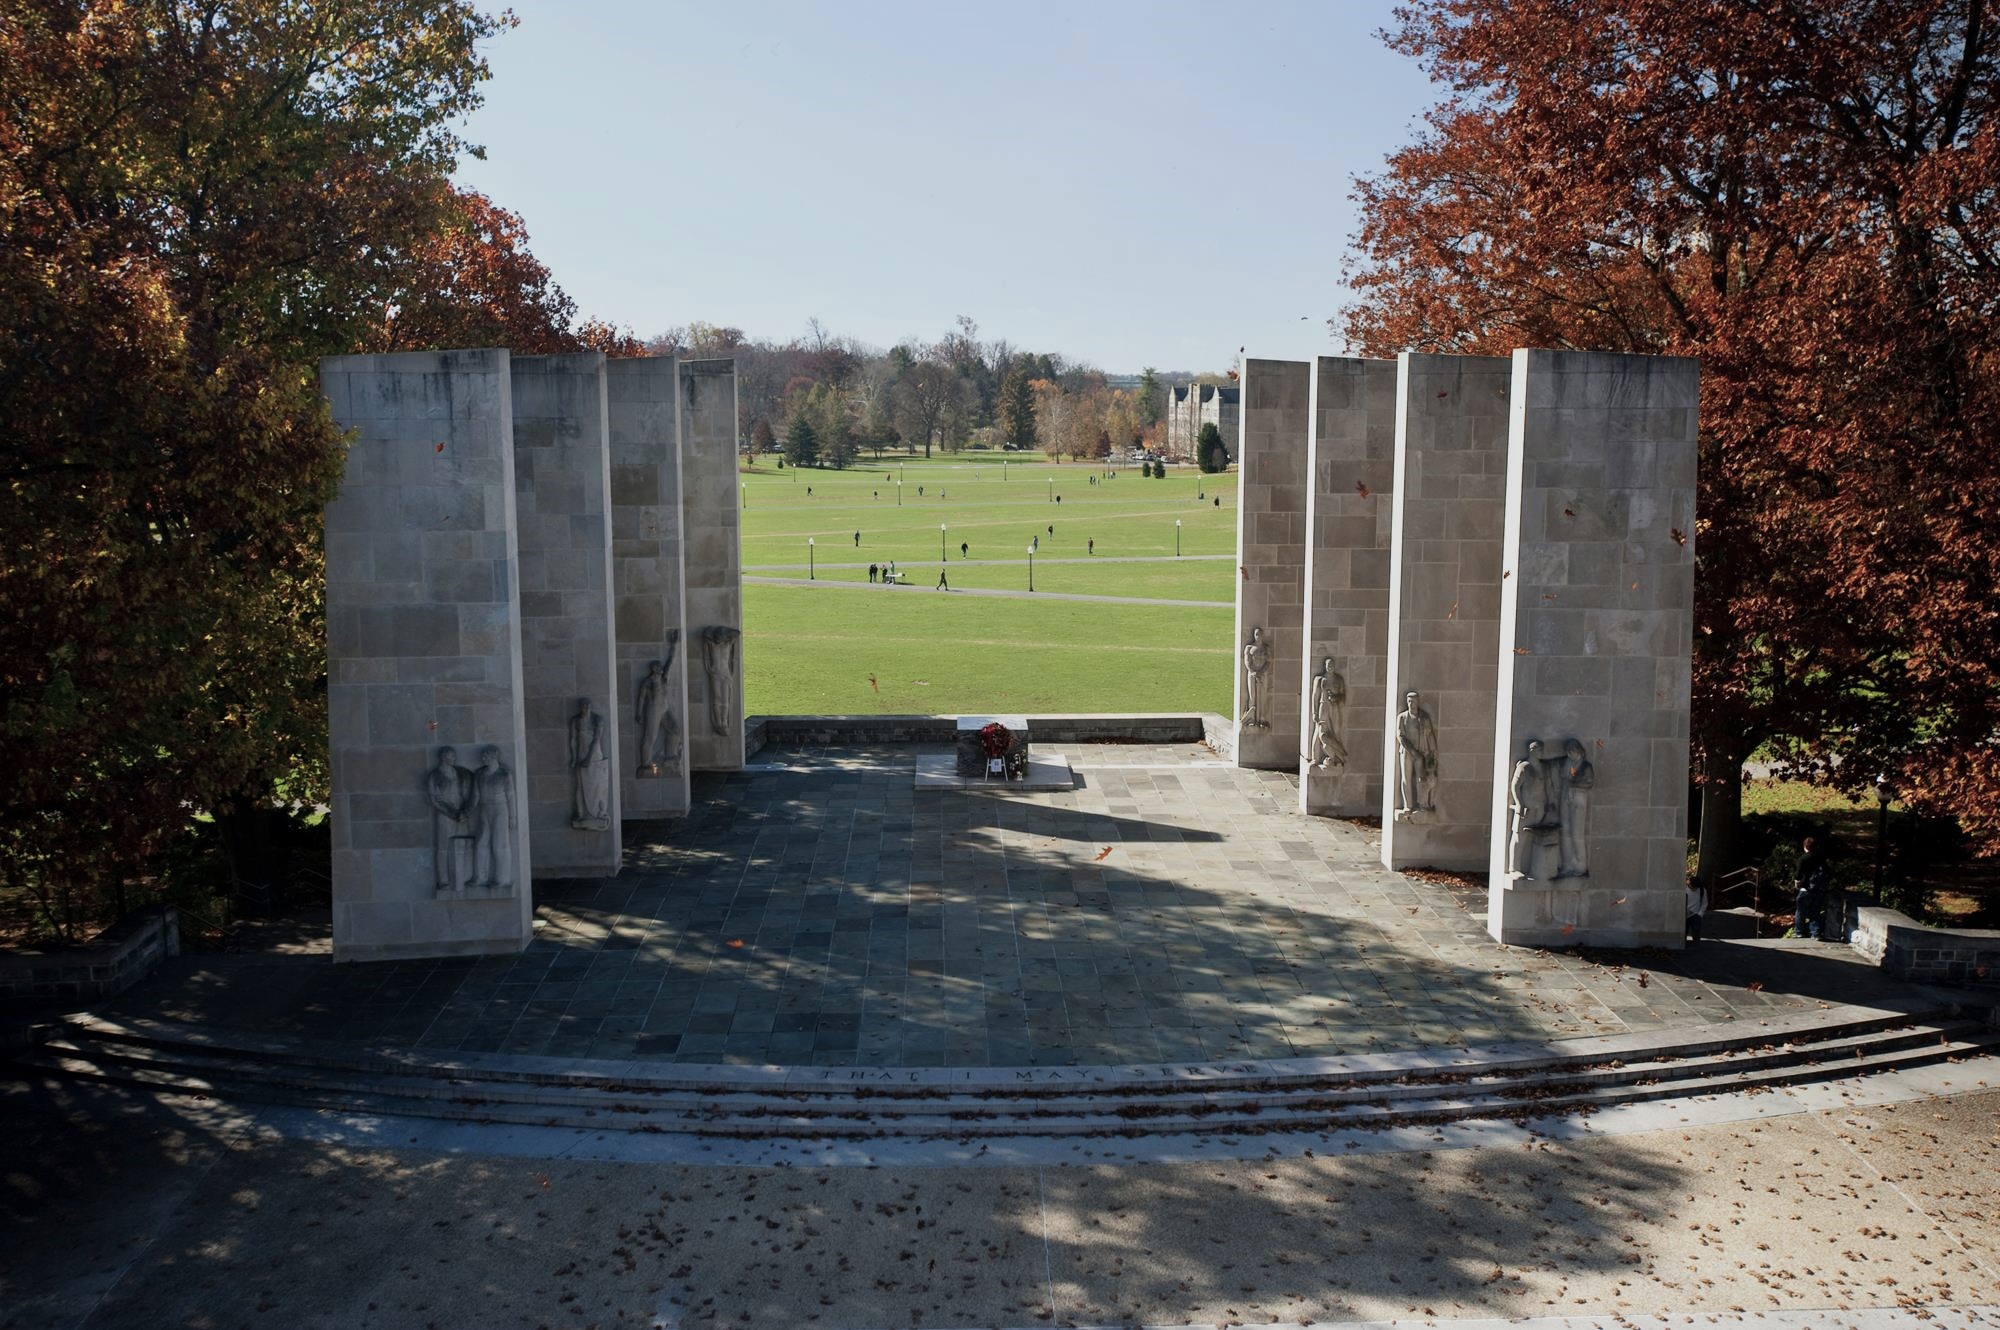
x: 1416, y: 759
x: 1549, y: 798
x: 718, y: 658
x: 1578, y: 778
x: 1328, y: 700
x: 492, y: 823
x: 656, y: 716
x: 590, y: 771
x: 1256, y: 681
x: 449, y: 789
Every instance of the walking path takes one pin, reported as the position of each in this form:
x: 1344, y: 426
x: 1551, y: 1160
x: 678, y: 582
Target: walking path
x: 923, y: 582
x: 1040, y: 559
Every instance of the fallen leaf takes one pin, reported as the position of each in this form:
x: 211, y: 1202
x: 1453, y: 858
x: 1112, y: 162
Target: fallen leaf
x: 1755, y: 985
x: 440, y: 447
x: 1569, y: 512
x: 1520, y: 651
x: 1680, y: 537
x: 1361, y: 489
x: 736, y: 942
x: 1104, y: 853
x: 1568, y: 929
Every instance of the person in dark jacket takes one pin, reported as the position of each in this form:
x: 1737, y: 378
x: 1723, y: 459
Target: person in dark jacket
x: 1809, y: 904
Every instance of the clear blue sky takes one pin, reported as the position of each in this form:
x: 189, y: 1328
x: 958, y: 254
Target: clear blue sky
x: 1129, y: 183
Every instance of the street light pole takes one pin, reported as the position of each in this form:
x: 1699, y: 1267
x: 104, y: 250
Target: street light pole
x: 941, y: 554
x: 746, y: 496
x: 812, y: 562
x: 1177, y: 537
x: 1031, y: 567
x: 899, y: 494
x: 1881, y: 829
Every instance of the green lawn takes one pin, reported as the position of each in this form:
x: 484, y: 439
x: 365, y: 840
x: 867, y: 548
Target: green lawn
x: 813, y: 650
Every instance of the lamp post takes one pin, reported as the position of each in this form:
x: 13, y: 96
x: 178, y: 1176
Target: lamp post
x: 1052, y: 489
x: 941, y: 553
x: 812, y: 562
x: 1031, y: 567
x: 746, y: 496
x: 1177, y: 537
x: 1881, y: 829
x: 899, y: 494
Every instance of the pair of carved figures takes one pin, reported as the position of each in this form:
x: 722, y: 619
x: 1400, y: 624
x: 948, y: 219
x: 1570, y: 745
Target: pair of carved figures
x: 1550, y: 798
x: 472, y: 822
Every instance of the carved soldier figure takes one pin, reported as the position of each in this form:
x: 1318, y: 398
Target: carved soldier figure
x: 492, y: 822
x: 1329, y: 700
x: 1256, y: 680
x: 590, y: 770
x: 1416, y: 758
x: 718, y: 657
x: 1577, y: 778
x: 449, y: 789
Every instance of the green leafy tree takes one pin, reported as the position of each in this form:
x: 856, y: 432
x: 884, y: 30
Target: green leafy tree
x: 801, y: 441
x: 1017, y: 410
x: 1210, y: 453
x: 196, y: 202
x: 1151, y: 394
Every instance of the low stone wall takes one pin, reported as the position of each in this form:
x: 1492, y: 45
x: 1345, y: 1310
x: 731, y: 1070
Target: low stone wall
x: 1143, y: 728
x: 1910, y: 950
x: 102, y: 968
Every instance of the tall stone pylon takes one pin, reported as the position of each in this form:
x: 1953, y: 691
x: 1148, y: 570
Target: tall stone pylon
x: 1590, y: 762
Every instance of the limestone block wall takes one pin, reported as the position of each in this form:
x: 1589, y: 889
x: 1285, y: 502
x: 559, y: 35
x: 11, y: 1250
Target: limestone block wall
x: 713, y: 561
x: 1444, y: 603
x: 423, y: 653
x: 562, y: 489
x: 1350, y: 510
x: 1596, y: 633
x: 1270, y: 554
x: 647, y: 591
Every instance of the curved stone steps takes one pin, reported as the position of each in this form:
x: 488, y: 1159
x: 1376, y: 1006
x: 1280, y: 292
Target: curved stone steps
x: 1303, y: 1094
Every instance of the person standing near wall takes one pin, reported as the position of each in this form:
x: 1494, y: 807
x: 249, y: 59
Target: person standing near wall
x: 1809, y: 904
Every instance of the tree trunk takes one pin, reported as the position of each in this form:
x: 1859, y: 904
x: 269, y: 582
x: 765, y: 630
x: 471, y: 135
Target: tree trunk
x: 1721, y: 845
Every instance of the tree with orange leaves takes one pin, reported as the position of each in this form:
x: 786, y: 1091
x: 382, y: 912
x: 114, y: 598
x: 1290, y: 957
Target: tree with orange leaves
x: 1802, y: 194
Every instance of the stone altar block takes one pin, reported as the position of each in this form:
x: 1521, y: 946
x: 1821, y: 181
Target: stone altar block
x: 1596, y: 634
x: 1270, y: 551
x: 712, y: 636
x: 424, y: 692
x: 1349, y: 512
x: 970, y: 761
x: 562, y: 490
x: 646, y: 586
x: 1444, y: 603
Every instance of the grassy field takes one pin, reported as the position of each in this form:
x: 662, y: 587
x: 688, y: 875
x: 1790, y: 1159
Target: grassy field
x: 814, y: 649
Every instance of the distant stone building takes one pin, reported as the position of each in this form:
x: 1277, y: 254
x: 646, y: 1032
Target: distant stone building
x: 1192, y: 405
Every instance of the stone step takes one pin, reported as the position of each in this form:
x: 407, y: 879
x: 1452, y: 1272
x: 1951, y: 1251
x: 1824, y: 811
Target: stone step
x: 968, y: 1120
x: 711, y: 1081
x: 617, y: 1097
x: 192, y: 1062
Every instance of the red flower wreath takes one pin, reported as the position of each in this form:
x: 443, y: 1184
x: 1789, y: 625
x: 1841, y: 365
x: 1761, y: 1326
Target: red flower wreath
x: 995, y: 739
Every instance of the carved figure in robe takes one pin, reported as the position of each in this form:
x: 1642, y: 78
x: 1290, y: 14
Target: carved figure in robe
x: 492, y: 823
x: 1533, y: 795
x: 449, y: 789
x: 590, y: 770
x: 1578, y: 776
x: 1328, y: 700
x: 1416, y: 758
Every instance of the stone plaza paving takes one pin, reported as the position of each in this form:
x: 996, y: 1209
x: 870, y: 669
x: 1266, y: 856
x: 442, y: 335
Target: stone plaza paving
x: 817, y: 909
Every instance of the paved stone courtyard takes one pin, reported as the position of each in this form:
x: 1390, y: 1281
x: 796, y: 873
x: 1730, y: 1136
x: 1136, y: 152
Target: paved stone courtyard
x: 818, y: 909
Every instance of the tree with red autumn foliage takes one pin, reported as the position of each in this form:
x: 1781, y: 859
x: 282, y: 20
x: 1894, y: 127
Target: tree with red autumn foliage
x: 1806, y: 195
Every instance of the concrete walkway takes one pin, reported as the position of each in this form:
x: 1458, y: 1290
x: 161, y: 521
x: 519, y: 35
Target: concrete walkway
x: 1861, y: 1217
